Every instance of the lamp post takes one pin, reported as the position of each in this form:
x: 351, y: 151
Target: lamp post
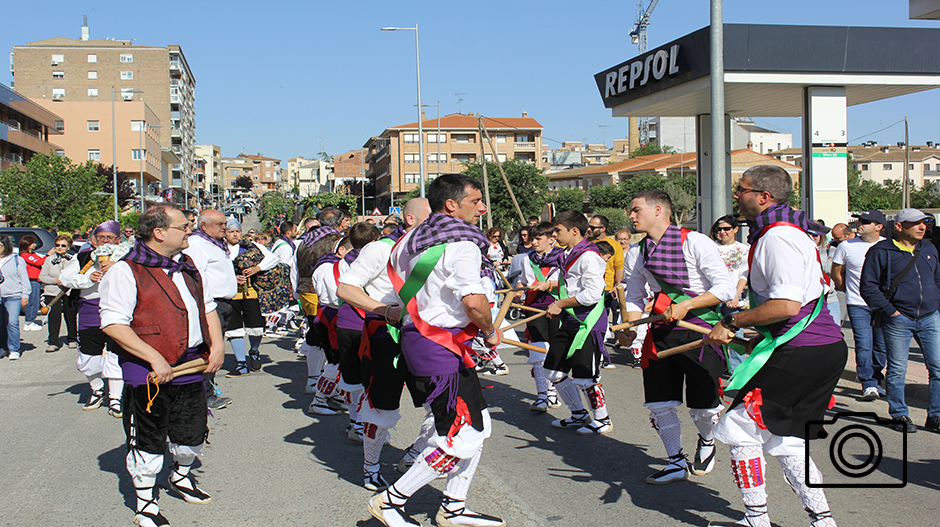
x: 420, y: 125
x: 140, y: 154
x: 114, y: 150
x: 438, y: 138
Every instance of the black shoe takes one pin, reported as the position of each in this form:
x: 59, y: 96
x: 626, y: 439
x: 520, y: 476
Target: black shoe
x: 903, y: 423
x: 933, y: 423
x: 254, y: 362
x: 636, y: 362
x: 241, y: 370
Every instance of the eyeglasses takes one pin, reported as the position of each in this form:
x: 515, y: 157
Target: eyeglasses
x: 128, y: 232
x: 623, y: 240
x: 61, y: 245
x: 182, y: 228
x: 741, y: 190
x: 725, y: 229
x: 592, y: 227
x: 862, y: 221
x: 106, y: 237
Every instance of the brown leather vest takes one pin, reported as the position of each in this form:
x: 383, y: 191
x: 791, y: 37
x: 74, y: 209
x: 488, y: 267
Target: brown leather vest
x: 160, y: 318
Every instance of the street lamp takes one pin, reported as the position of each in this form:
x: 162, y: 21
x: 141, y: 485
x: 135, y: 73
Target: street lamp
x: 140, y: 155
x: 114, y: 149
x: 420, y: 126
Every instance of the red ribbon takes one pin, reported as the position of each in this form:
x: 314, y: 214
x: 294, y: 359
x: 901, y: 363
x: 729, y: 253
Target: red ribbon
x: 752, y: 403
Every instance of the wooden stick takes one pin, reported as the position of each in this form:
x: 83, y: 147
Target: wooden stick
x: 503, y: 309
x: 529, y: 308
x: 622, y: 298
x: 524, y: 321
x: 524, y: 345
x: 680, y: 349
x: 647, y: 320
x: 194, y: 369
x: 501, y: 275
x: 514, y: 289
x: 193, y: 366
x: 699, y: 329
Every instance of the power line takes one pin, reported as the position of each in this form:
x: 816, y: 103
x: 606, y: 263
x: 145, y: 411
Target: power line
x: 873, y: 133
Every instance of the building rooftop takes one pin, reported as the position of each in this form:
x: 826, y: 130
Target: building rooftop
x: 457, y: 121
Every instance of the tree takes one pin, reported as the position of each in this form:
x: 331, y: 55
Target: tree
x: 527, y: 182
x: 314, y: 204
x: 866, y: 194
x: 617, y: 217
x: 650, y: 149
x: 53, y: 191
x: 566, y: 199
x: 126, y: 191
x: 243, y: 182
x: 683, y: 201
x: 270, y: 206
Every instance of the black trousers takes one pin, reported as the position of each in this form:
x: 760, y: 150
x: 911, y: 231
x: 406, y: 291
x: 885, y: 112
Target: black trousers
x: 54, y: 317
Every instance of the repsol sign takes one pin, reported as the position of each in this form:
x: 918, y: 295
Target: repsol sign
x: 677, y: 62
x: 639, y: 72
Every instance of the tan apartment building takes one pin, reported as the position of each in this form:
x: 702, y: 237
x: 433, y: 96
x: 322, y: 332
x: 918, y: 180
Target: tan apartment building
x: 84, y: 70
x: 210, y: 157
x: 265, y: 173
x: 393, y: 158
x: 86, y: 136
x: 310, y: 176
x: 25, y: 129
x: 884, y: 163
x: 231, y: 169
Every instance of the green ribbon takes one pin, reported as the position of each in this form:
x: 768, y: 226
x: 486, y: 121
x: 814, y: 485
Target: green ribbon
x: 417, y: 279
x: 541, y: 278
x: 710, y: 316
x: 747, y: 369
x: 585, y: 327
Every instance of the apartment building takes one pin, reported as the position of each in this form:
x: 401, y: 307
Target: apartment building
x: 231, y: 169
x: 679, y: 133
x: 265, y: 173
x: 393, y: 159
x: 208, y: 170
x: 310, y: 176
x: 349, y: 169
x: 84, y: 70
x: 25, y: 129
x: 884, y: 163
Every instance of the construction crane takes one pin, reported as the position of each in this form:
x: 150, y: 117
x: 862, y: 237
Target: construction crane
x: 638, y: 36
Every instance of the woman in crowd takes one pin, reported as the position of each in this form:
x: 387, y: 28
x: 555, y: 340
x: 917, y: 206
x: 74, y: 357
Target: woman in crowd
x: 14, y: 293
x: 497, y: 251
x: 525, y: 242
x: 49, y: 276
x: 734, y: 254
x: 818, y: 233
x: 33, y: 267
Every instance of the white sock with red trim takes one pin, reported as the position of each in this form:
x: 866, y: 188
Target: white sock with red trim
x: 814, y: 499
x: 747, y: 465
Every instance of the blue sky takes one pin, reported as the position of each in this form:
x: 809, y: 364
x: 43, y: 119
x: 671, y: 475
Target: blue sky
x: 280, y: 77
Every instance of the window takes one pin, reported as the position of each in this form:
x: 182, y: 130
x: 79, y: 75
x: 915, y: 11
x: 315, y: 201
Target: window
x: 500, y: 138
x: 500, y: 156
x: 433, y: 158
x: 93, y: 126
x: 60, y: 126
x: 137, y: 126
x: 94, y: 155
x: 235, y: 171
x: 92, y: 58
x: 58, y: 94
x: 524, y: 138
x: 864, y: 167
x: 127, y: 75
x: 58, y: 74
x: 127, y: 57
x: 910, y: 166
x: 267, y: 164
x: 411, y: 138
x: 137, y: 154
x: 412, y: 178
x: 437, y: 138
x: 92, y: 74
x: 412, y: 158
x: 887, y: 166
x: 464, y: 138
x: 462, y: 158
x: 58, y: 59
x: 60, y: 153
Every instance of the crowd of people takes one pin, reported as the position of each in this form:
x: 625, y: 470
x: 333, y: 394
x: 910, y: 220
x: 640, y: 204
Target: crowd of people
x: 414, y: 306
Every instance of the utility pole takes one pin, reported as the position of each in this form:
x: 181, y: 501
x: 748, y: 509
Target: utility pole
x: 906, y: 184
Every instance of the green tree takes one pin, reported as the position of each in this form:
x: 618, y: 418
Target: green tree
x: 866, y: 194
x: 566, y: 199
x: 270, y: 206
x: 683, y: 201
x: 314, y: 204
x: 650, y: 149
x: 528, y: 184
x: 53, y: 191
x: 617, y: 217
x: 243, y: 182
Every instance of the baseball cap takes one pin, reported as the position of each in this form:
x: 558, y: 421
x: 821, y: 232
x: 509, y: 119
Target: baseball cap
x: 910, y: 215
x: 817, y: 228
x: 872, y: 215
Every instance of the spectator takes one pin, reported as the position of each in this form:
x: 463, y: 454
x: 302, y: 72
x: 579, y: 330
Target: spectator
x: 49, y: 276
x: 847, y: 263
x: 127, y: 235
x: 907, y: 303
x: 818, y: 233
x: 623, y: 238
x: 497, y: 251
x: 14, y: 293
x: 840, y: 233
x: 525, y: 243
x: 33, y: 266
x: 532, y: 221
x: 613, y: 275
x: 734, y: 254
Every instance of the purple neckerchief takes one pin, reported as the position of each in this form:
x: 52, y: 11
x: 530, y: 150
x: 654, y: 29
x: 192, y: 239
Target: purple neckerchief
x: 289, y: 242
x: 552, y: 259
x: 351, y: 256
x: 773, y: 214
x: 330, y: 259
x: 142, y: 254
x: 396, y: 234
x: 665, y: 260
x: 574, y: 253
x: 315, y: 233
x: 214, y: 241
x: 441, y: 228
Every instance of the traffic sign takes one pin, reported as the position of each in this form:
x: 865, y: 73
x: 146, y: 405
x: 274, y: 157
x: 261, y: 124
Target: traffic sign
x: 376, y: 211
x: 395, y: 210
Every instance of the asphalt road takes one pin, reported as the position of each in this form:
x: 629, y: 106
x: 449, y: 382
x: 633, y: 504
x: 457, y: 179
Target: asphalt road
x: 268, y: 463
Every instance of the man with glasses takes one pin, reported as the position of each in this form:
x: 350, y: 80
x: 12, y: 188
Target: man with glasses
x: 210, y: 256
x: 128, y: 234
x: 847, y: 263
x: 155, y: 308
x: 95, y: 360
x: 613, y: 274
x: 901, y: 282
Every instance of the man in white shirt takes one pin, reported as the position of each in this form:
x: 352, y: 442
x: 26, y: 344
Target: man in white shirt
x: 209, y: 252
x: 141, y: 297
x: 847, y: 262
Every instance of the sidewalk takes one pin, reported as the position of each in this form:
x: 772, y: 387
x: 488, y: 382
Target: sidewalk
x: 916, y: 385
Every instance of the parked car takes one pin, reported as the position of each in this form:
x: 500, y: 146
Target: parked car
x: 45, y: 240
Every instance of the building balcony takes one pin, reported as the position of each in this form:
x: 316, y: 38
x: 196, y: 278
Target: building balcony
x: 524, y: 146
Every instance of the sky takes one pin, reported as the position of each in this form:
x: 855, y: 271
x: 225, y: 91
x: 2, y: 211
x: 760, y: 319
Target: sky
x: 294, y: 78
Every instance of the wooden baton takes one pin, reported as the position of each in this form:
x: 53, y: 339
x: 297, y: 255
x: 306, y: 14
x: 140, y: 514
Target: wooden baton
x: 529, y: 308
x: 647, y: 320
x: 524, y: 345
x: 524, y: 321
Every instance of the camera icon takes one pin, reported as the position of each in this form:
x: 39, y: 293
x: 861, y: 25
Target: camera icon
x: 864, y: 451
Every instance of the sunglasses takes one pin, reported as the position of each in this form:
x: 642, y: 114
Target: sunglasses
x: 865, y: 222
x: 725, y: 229
x: 61, y: 245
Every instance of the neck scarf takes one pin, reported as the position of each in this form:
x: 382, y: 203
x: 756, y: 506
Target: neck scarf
x: 775, y: 213
x: 214, y: 241
x: 396, y: 234
x: 315, y: 233
x: 289, y: 242
x: 441, y: 228
x: 579, y: 248
x: 551, y: 259
x: 351, y: 256
x: 327, y: 259
x: 142, y: 254
x: 665, y: 259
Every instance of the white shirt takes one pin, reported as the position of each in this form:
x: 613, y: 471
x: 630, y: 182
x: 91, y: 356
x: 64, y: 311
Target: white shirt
x: 735, y: 257
x: 119, y: 299
x: 324, y: 283
x: 455, y: 276
x: 785, y: 266
x: 214, y: 265
x: 851, y: 253
x: 285, y: 255
x: 72, y: 278
x: 707, y: 272
x: 269, y: 262
x: 370, y: 272
x: 585, y: 279
x: 528, y: 275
